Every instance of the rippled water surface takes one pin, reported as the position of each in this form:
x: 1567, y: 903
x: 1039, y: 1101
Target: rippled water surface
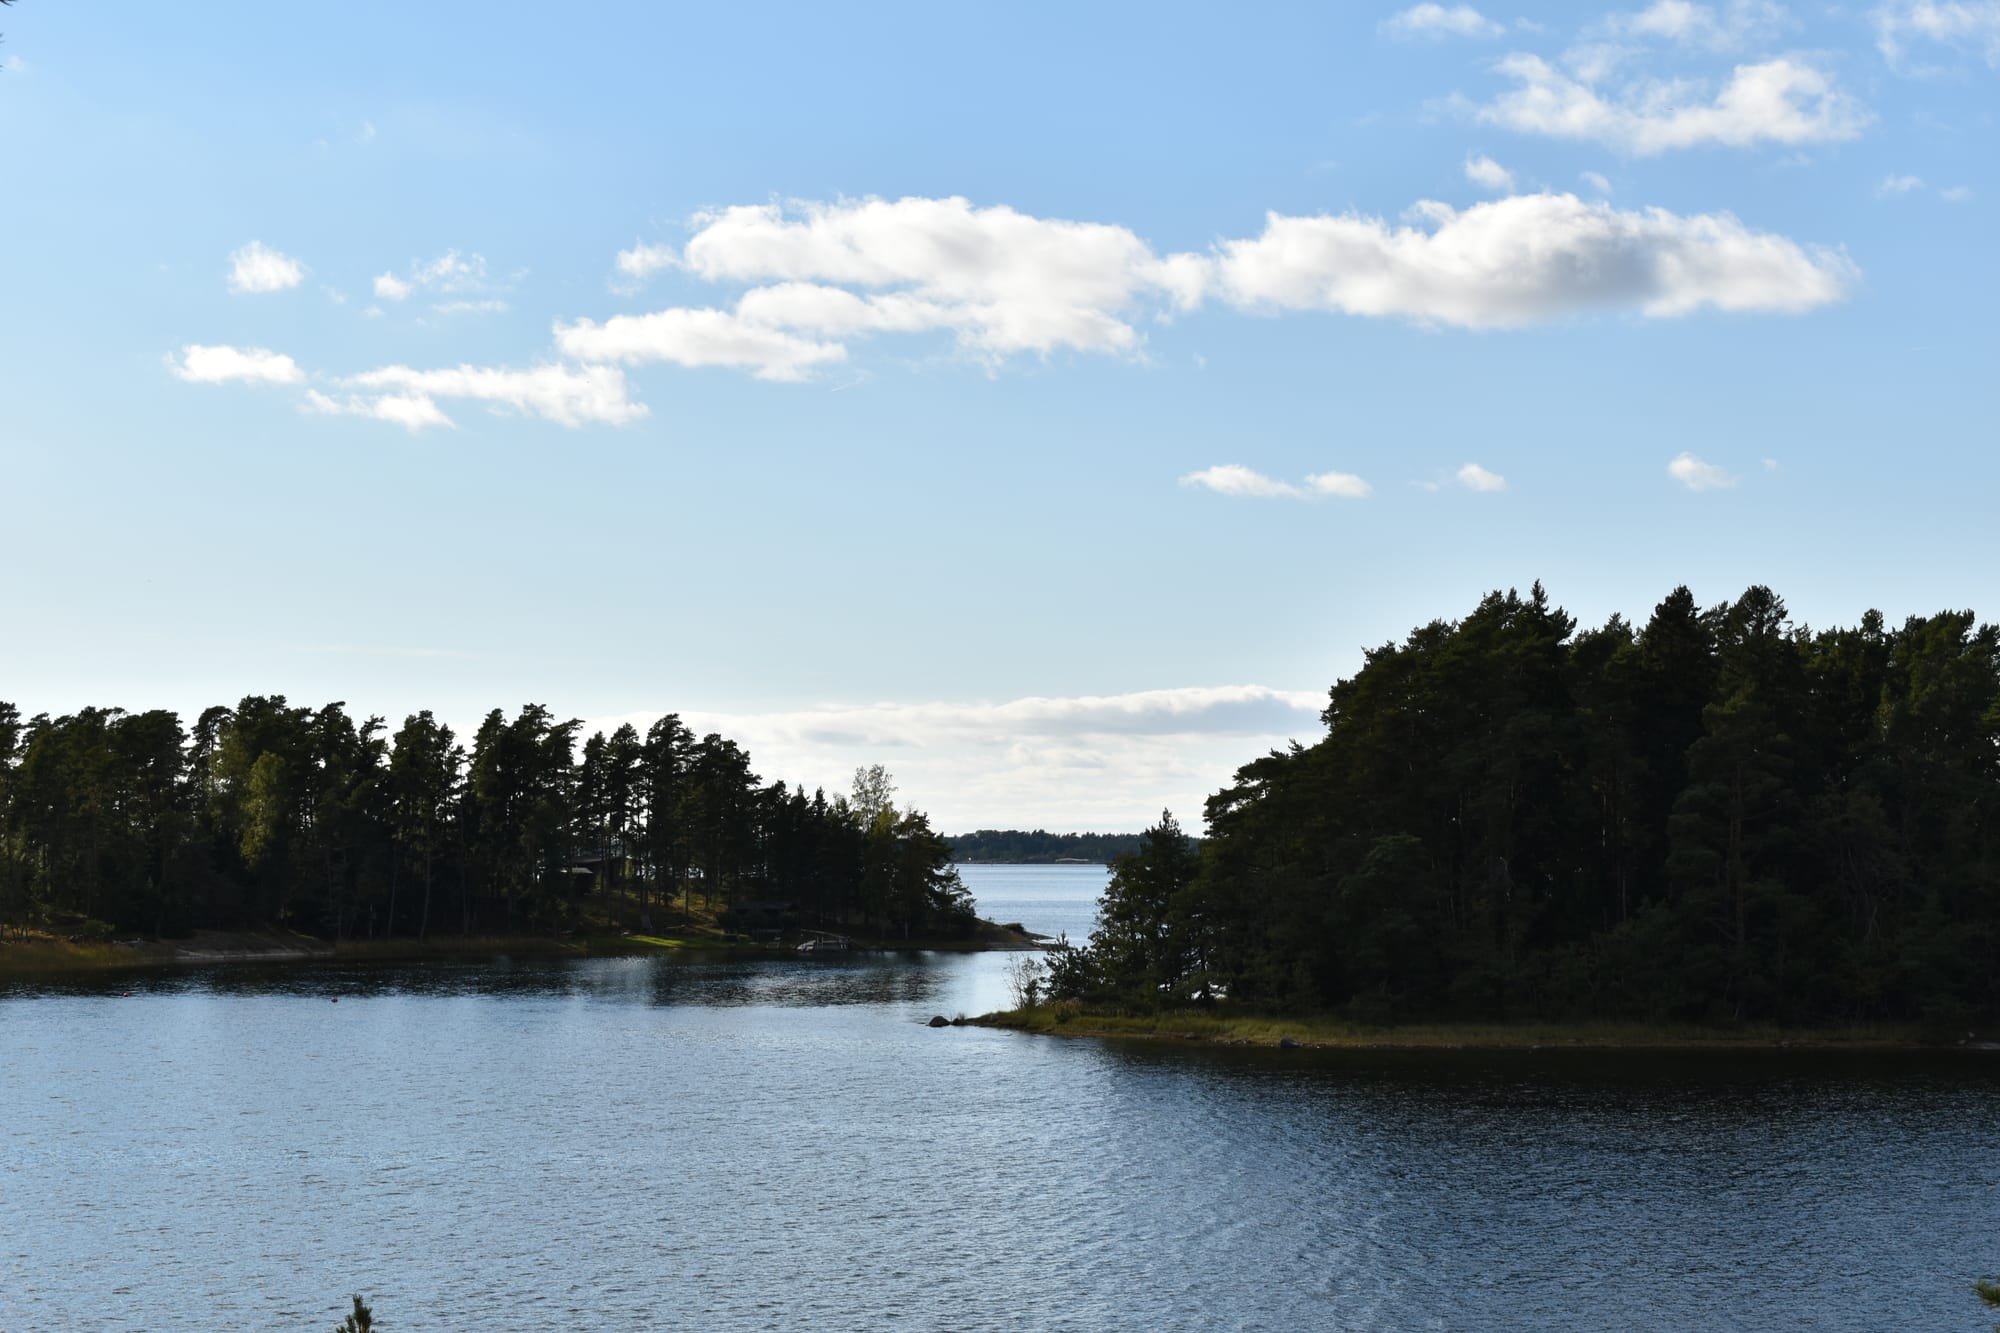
x: 631, y: 1143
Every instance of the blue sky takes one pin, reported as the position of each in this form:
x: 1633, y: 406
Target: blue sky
x: 1046, y: 404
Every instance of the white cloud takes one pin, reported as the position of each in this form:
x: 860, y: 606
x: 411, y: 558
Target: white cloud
x: 821, y: 275
x: 452, y: 273
x: 1234, y: 479
x: 1237, y: 480
x: 697, y: 338
x: 257, y: 268
x: 1596, y: 181
x: 1783, y: 101
x: 1003, y: 281
x: 1689, y: 24
x: 1972, y: 25
x: 1524, y: 259
x: 1698, y: 475
x: 1435, y: 21
x: 1770, y: 465
x: 1484, y: 172
x: 1108, y: 762
x: 1955, y: 194
x: 199, y: 364
x: 414, y: 412
x: 1476, y: 478
x: 566, y: 395
x: 1345, y: 485
x: 1894, y: 185
x: 486, y: 306
x: 642, y: 260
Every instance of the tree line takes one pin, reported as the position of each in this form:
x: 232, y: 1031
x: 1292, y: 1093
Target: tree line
x: 1020, y: 847
x: 1718, y: 815
x: 274, y: 814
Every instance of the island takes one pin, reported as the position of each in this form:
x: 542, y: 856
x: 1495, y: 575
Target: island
x: 1712, y: 827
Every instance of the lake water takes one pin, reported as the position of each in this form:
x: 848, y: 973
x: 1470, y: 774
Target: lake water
x: 731, y: 1144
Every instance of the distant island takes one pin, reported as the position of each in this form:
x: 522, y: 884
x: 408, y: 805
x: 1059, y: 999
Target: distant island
x: 1715, y: 818
x: 1019, y: 847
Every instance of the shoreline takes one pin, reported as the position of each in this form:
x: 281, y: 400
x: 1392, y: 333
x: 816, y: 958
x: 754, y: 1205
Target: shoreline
x: 1249, y: 1031
x: 49, y: 957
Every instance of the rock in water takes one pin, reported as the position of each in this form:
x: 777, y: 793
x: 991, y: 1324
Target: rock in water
x: 938, y: 1021
x: 1287, y: 1044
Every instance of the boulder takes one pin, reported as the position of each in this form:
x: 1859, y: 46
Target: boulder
x: 1288, y: 1044
x: 938, y: 1021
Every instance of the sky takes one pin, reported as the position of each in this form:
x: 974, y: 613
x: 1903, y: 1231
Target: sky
x: 1048, y: 402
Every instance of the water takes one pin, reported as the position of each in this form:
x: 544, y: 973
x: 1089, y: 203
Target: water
x: 620, y: 1144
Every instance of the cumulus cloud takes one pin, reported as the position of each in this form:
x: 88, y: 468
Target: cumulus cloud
x: 1476, y: 478
x: 566, y: 395
x: 1782, y: 101
x: 697, y: 338
x: 1345, y: 485
x: 413, y: 412
x: 1596, y: 181
x: 1525, y: 259
x: 1101, y: 761
x: 1487, y: 174
x: 643, y: 261
x: 1698, y: 475
x: 1437, y: 21
x: 1237, y: 480
x: 1960, y: 25
x: 1003, y: 281
x: 257, y: 268
x: 815, y: 278
x: 200, y: 364
x: 1233, y: 479
x: 1895, y: 185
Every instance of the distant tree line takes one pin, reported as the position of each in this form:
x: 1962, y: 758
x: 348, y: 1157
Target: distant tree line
x: 1017, y: 847
x: 268, y: 813
x: 1718, y: 815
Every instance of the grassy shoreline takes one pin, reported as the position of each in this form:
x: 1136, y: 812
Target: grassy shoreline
x: 1341, y: 1034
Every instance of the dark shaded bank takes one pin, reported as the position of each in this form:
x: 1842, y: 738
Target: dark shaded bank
x: 48, y: 956
x: 1328, y: 1033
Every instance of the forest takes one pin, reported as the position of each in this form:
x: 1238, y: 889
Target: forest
x: 1716, y: 816
x: 274, y: 814
x: 1020, y: 847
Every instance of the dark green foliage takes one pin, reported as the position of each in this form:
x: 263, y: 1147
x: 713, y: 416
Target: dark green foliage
x: 360, y: 1320
x: 272, y: 814
x: 1719, y: 816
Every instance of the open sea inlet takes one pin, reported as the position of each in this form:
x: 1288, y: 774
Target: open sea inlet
x: 725, y: 1143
